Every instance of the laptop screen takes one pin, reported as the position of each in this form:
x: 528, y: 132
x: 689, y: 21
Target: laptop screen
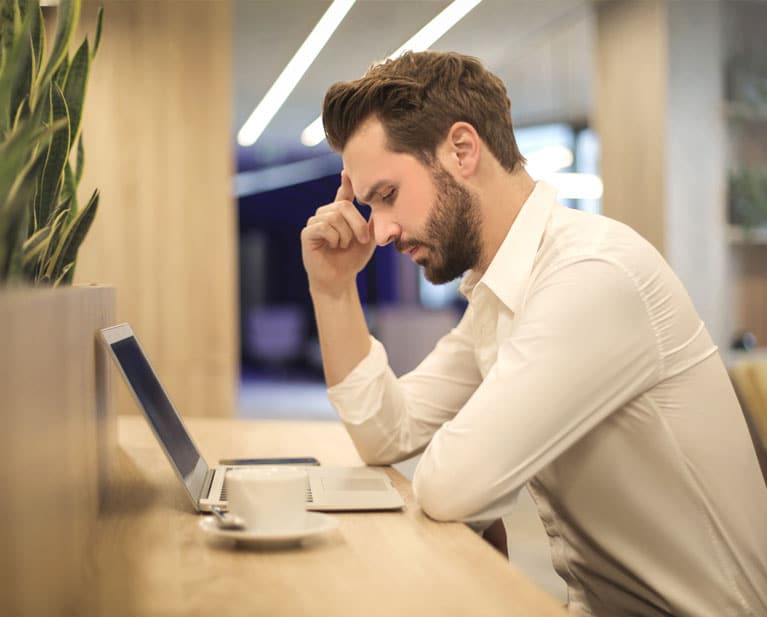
x: 161, y: 414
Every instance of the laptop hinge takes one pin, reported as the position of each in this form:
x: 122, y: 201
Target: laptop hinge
x: 205, y: 490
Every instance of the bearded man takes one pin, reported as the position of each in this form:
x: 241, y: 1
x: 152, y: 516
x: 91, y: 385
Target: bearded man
x: 580, y: 369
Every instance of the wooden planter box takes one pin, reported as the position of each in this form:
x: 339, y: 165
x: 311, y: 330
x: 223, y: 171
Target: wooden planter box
x: 59, y: 434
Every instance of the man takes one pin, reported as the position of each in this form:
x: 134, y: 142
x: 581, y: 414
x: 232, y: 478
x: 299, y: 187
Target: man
x: 579, y: 369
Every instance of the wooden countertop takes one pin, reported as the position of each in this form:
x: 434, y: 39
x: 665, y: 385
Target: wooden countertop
x: 149, y: 557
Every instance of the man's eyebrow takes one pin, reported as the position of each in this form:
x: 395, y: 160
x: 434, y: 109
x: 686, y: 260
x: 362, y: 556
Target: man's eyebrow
x: 373, y: 190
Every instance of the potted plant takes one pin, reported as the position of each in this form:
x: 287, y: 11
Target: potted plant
x: 748, y: 198
x: 41, y: 110
x: 55, y: 396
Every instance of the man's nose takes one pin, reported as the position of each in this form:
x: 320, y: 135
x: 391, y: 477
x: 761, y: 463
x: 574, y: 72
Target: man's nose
x: 386, y: 230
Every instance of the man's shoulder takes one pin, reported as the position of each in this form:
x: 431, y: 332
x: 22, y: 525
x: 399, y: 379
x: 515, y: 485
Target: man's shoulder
x: 573, y: 236
x: 571, y: 230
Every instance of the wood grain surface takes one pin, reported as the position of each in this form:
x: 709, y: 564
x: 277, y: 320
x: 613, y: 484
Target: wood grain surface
x: 158, y: 146
x: 58, y: 431
x: 150, y: 558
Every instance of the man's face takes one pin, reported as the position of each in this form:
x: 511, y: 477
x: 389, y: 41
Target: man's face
x: 422, y: 209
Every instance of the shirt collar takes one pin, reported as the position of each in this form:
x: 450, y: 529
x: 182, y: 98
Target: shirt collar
x: 510, y: 268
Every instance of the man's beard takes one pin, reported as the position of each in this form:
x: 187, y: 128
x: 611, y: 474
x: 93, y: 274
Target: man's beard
x: 452, y: 231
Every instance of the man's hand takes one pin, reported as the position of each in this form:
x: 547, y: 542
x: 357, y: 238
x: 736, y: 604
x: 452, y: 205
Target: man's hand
x: 336, y: 243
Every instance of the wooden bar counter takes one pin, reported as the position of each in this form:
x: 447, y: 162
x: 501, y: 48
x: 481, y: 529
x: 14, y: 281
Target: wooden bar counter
x: 149, y: 557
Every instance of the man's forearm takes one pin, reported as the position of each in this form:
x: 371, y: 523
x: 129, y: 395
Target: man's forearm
x: 344, y: 335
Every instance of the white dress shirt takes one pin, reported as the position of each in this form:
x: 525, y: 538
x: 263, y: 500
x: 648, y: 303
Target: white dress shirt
x: 581, y: 369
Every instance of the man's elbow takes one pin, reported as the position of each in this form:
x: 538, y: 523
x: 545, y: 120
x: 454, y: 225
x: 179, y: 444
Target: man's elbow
x: 437, y: 496
x: 375, y: 457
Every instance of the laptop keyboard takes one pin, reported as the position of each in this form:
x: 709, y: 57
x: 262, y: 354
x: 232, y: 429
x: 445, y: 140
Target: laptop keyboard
x: 309, y: 498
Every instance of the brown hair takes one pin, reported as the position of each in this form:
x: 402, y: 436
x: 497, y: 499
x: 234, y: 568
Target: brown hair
x: 417, y: 98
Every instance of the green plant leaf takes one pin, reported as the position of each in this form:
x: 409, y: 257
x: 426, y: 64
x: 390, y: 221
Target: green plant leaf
x: 80, y: 162
x: 15, y: 61
x: 71, y: 238
x: 60, y: 76
x: 66, y: 274
x: 35, y: 245
x: 69, y: 190
x: 10, y: 18
x: 58, y: 152
x: 12, y: 227
x: 14, y: 221
x: 74, y: 88
x: 18, y: 153
x: 25, y: 74
x: 25, y: 6
x: 97, y: 37
x: 748, y: 197
x: 38, y: 42
x: 21, y: 111
x: 55, y: 241
x: 67, y: 17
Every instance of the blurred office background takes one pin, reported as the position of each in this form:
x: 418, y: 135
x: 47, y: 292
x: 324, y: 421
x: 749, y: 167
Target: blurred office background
x: 661, y: 87
x: 653, y: 112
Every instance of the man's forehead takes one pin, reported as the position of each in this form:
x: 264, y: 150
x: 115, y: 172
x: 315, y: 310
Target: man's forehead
x: 367, y: 160
x: 371, y: 164
x: 366, y: 146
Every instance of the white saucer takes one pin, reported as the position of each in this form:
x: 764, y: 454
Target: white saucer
x: 315, y: 523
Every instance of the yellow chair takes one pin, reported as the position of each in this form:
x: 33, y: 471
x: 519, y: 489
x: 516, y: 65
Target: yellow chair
x: 750, y: 380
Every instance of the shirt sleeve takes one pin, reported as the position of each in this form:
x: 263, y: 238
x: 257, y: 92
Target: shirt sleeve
x: 392, y: 419
x: 583, y: 347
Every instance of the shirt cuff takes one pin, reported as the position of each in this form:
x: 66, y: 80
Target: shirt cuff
x: 355, y: 397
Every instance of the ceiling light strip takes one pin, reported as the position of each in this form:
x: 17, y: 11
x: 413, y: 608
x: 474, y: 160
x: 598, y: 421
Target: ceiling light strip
x: 314, y: 134
x: 437, y: 27
x: 282, y: 87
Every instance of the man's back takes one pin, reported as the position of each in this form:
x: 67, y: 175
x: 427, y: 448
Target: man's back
x: 661, y: 507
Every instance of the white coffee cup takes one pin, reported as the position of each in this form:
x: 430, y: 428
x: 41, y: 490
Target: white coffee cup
x: 268, y: 498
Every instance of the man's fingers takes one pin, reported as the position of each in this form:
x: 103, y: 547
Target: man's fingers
x: 319, y: 232
x: 356, y: 221
x: 351, y: 215
x: 336, y: 220
x: 338, y: 224
x: 345, y: 191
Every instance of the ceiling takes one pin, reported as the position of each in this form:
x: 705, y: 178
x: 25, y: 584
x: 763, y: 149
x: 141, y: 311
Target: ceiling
x: 542, y: 49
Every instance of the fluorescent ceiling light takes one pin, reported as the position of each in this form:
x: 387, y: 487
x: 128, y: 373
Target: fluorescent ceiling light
x: 314, y: 134
x: 282, y: 87
x: 545, y: 163
x: 433, y: 31
x: 548, y: 160
x: 420, y: 41
x: 576, y: 186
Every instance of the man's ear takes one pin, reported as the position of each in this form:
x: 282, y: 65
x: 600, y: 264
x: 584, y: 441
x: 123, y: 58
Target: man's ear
x: 463, y: 145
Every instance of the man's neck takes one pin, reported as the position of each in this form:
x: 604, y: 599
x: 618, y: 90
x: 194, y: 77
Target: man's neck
x: 502, y: 196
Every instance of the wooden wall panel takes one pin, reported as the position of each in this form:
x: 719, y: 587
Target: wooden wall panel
x: 58, y: 437
x: 659, y: 81
x: 630, y: 113
x: 158, y: 138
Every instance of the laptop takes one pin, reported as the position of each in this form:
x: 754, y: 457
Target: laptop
x: 328, y: 488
